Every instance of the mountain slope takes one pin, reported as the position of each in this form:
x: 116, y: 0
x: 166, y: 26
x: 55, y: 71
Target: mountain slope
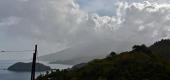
x: 162, y: 48
x: 137, y: 64
x: 81, y: 53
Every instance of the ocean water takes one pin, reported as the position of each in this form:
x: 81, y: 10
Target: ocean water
x: 9, y: 75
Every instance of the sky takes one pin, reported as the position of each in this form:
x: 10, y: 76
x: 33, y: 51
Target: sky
x: 59, y: 24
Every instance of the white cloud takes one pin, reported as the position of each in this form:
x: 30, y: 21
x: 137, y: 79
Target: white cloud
x: 64, y: 23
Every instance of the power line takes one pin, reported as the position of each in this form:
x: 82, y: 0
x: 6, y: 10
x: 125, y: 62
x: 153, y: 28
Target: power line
x: 33, y: 61
x: 4, y: 51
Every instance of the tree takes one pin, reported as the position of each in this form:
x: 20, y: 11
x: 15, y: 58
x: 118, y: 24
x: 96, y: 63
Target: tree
x: 141, y: 48
x: 112, y: 54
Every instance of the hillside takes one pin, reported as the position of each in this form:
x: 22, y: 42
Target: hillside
x: 80, y: 53
x: 139, y: 64
x: 162, y: 48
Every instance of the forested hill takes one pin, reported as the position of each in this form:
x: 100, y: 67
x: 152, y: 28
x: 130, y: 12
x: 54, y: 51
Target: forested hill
x: 162, y: 48
x: 142, y: 63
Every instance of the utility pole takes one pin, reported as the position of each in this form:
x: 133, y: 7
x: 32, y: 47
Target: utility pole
x: 34, y: 64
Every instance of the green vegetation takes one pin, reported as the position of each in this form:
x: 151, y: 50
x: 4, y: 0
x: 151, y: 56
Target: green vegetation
x: 142, y: 63
x: 26, y: 67
x: 161, y: 48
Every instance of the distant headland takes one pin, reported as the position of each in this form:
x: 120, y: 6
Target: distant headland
x: 26, y: 67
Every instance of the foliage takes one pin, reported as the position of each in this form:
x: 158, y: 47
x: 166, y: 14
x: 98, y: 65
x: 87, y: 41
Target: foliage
x: 139, y: 64
x: 161, y: 48
x: 111, y: 54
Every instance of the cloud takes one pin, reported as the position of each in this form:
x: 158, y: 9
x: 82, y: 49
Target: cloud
x: 62, y: 24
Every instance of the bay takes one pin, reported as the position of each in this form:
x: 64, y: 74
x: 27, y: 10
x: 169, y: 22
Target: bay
x: 10, y: 75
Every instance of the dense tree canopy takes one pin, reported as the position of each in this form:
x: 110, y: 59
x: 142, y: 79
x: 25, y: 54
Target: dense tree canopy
x: 139, y: 64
